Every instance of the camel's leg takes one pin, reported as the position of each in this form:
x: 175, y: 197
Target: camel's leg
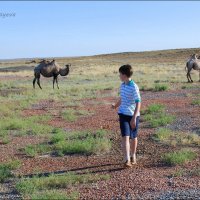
x: 34, y: 82
x: 199, y: 75
x: 38, y: 82
x: 54, y: 78
x: 57, y: 82
x: 188, y: 77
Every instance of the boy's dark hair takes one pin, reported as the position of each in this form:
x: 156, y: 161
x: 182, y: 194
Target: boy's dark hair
x: 126, y: 70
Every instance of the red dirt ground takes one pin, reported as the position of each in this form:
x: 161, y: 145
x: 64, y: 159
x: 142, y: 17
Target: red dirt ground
x: 148, y: 177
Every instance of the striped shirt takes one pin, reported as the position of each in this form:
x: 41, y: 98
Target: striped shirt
x: 130, y: 95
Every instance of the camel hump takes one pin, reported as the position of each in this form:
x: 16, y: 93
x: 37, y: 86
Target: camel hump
x: 53, y: 61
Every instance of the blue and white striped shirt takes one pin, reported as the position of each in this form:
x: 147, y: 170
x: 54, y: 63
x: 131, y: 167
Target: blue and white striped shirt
x: 130, y: 94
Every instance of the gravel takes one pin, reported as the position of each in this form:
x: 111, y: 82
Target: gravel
x: 191, y: 194
x: 8, y: 191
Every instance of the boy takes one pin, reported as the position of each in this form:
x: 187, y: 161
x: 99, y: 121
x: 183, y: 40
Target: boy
x: 129, y: 113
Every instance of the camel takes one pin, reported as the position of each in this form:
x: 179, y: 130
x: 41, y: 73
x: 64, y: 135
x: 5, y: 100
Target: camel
x: 192, y: 63
x: 49, y: 69
x: 31, y: 61
x: 35, y: 61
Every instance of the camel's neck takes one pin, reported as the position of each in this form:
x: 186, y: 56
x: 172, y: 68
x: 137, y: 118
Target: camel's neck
x: 64, y: 71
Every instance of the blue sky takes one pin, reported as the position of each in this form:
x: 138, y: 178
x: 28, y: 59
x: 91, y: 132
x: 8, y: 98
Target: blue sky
x: 56, y: 29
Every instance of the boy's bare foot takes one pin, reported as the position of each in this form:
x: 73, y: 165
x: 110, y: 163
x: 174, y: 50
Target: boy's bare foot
x: 133, y: 160
x: 127, y: 164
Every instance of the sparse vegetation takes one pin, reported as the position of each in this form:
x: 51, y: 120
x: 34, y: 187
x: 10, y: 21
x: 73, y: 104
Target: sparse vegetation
x: 162, y: 134
x: 194, y: 172
x: 88, y: 146
x: 90, y: 79
x: 83, y: 143
x: 179, y: 157
x: 53, y: 195
x: 72, y: 115
x: 58, y: 135
x: 146, y: 88
x: 158, y: 120
x: 188, y: 86
x: 5, y: 169
x: 154, y: 109
x: 186, y: 172
x: 196, y: 102
x: 155, y: 116
x: 159, y: 87
x: 33, y: 150
x: 5, y: 172
x: 63, y: 143
x: 178, y: 173
x: 32, y: 187
x: 69, y: 115
x: 26, y: 126
x: 174, y: 138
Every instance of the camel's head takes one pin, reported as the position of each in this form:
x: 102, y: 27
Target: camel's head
x: 42, y: 61
x: 65, y: 71
x: 194, y: 56
x: 68, y: 65
x: 31, y: 61
x: 52, y: 62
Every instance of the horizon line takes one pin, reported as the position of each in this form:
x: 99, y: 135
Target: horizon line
x: 101, y: 54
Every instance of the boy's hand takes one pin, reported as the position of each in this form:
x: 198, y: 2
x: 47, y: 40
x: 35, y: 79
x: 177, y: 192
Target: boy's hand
x: 133, y: 123
x: 113, y: 106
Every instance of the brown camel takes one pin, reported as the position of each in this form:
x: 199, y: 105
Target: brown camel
x: 49, y: 69
x: 192, y: 63
x: 34, y: 61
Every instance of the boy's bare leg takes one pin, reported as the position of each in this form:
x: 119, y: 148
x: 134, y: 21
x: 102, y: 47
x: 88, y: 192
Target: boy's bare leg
x: 126, y: 147
x: 133, y: 147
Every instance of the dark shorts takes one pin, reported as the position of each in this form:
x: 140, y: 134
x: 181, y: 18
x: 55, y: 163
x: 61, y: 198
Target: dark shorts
x: 125, y: 126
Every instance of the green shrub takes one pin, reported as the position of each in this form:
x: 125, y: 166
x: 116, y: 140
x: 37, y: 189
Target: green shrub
x: 13, y: 124
x: 59, y: 135
x: 30, y: 151
x: 163, y: 134
x: 25, y: 126
x: 176, y: 138
x: 196, y: 102
x: 159, y: 87
x: 5, y: 173
x: 13, y: 164
x: 39, y: 185
x: 33, y: 150
x: 87, y: 146
x: 161, y: 120
x: 75, y: 142
x: 155, y: 116
x: 5, y: 140
x: 194, y: 172
x: 179, y: 157
x: 155, y: 108
x: 5, y: 169
x: 81, y: 142
x: 53, y: 195
x: 69, y: 115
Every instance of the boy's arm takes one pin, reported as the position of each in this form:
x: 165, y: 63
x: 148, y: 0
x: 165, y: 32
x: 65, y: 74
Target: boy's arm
x: 117, y: 104
x: 137, y: 98
x: 135, y: 114
x: 137, y: 109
